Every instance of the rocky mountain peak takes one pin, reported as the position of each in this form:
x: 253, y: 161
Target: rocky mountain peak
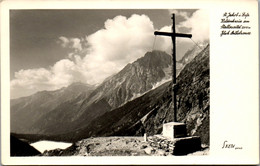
x: 135, y: 79
x: 79, y: 86
x: 154, y: 59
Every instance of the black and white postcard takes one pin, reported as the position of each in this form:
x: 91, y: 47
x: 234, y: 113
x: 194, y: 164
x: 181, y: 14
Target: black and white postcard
x: 121, y: 82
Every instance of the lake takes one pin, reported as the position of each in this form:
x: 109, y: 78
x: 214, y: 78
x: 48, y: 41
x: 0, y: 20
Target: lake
x: 49, y: 145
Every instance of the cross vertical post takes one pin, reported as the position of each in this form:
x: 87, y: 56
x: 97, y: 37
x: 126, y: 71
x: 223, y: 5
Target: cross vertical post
x: 174, y: 99
x: 173, y: 35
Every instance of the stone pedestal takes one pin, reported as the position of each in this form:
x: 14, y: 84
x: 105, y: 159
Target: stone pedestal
x: 174, y: 130
x: 174, y: 140
x: 177, y: 134
x: 178, y: 146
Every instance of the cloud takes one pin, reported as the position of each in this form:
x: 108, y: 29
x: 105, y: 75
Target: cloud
x: 106, y: 52
x: 29, y: 81
x: 63, y: 41
x: 181, y: 13
x: 72, y: 43
x: 121, y: 41
x: 61, y: 74
x: 198, y: 24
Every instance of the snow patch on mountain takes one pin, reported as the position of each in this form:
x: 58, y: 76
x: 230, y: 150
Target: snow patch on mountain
x: 160, y: 83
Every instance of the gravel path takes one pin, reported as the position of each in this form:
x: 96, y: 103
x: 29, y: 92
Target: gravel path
x: 114, y: 146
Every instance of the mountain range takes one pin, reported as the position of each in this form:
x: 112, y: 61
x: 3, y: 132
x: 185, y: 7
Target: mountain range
x: 124, y: 104
x: 63, y: 110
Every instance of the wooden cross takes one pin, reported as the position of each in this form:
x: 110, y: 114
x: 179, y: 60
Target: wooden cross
x: 173, y: 35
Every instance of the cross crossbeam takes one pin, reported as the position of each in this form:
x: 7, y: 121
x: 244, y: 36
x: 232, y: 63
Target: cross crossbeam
x: 173, y: 35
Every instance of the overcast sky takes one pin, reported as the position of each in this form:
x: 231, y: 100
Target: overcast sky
x: 50, y: 49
